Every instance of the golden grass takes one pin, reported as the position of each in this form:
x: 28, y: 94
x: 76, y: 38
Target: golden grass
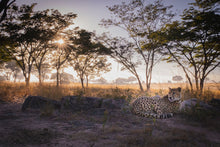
x: 16, y: 92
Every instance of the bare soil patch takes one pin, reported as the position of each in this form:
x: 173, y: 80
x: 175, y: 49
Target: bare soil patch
x: 110, y: 128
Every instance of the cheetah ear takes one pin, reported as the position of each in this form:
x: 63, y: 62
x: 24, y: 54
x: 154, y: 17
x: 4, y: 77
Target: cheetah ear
x: 179, y: 89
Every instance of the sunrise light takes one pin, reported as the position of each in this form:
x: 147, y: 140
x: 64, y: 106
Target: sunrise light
x: 60, y: 41
x: 109, y: 72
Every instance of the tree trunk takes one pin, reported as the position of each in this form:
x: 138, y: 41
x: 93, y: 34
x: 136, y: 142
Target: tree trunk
x: 197, y: 83
x: 87, y: 81
x: 27, y: 80
x: 148, y: 86
x: 201, y: 85
x: 190, y: 83
x: 40, y: 77
x: 139, y: 82
x: 15, y: 77
x: 60, y: 79
x: 57, y: 77
x: 82, y: 83
x: 149, y: 70
x: 148, y: 79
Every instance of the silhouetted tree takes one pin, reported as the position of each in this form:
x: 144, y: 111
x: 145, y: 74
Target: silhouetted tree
x: 131, y: 79
x: 29, y: 32
x: 101, y: 81
x: 85, y: 57
x: 61, y: 54
x: 123, y: 52
x: 139, y: 18
x: 125, y: 80
x: 120, y: 80
x: 14, y: 69
x: 193, y: 43
x: 45, y: 69
x: 64, y: 77
x: 177, y: 78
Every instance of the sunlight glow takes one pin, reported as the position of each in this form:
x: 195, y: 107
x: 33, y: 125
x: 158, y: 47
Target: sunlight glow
x: 60, y: 41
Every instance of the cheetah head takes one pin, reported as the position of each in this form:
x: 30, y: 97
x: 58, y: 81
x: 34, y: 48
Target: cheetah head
x: 174, y: 94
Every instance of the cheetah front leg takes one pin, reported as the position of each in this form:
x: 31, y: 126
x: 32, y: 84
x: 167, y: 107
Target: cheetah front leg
x: 162, y: 115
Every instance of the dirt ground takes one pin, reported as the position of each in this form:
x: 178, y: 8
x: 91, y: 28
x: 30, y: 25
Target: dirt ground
x: 116, y: 128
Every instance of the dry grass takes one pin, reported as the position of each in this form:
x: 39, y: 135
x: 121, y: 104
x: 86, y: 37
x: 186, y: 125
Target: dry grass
x: 112, y: 128
x: 16, y: 92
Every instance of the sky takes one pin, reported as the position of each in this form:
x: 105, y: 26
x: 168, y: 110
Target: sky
x: 89, y: 14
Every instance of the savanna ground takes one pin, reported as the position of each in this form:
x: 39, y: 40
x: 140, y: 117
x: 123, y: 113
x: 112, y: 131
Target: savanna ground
x: 47, y: 127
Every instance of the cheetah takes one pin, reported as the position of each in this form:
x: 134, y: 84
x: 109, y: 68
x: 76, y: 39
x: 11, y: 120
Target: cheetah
x: 156, y: 107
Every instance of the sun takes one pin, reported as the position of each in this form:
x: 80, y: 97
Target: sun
x: 60, y: 41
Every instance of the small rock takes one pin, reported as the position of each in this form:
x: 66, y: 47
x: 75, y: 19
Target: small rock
x: 191, y: 103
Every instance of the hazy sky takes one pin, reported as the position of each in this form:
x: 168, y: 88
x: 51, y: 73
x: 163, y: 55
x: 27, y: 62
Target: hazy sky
x: 90, y: 12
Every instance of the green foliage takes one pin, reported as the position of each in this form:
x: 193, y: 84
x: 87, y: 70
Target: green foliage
x: 29, y: 33
x: 5, y: 44
x: 139, y: 19
x: 86, y: 58
x: 193, y: 43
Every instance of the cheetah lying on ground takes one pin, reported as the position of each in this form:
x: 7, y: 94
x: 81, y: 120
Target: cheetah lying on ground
x: 157, y: 107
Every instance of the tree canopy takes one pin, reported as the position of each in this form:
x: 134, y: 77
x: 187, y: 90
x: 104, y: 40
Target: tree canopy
x: 193, y: 43
x: 29, y: 32
x: 86, y: 56
x: 139, y: 18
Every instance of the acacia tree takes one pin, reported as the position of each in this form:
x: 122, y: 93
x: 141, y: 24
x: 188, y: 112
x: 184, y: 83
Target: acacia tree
x: 10, y: 69
x: 64, y: 77
x: 193, y: 43
x: 29, y: 32
x: 40, y: 63
x: 177, y: 78
x: 89, y: 65
x: 86, y: 58
x: 101, y: 80
x: 139, y: 18
x: 42, y: 73
x: 60, y: 55
x: 123, y: 52
x: 98, y: 66
x: 23, y: 50
x: 15, y: 70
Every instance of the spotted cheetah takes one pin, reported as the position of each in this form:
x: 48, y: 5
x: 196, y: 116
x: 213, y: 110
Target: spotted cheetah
x: 156, y: 107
